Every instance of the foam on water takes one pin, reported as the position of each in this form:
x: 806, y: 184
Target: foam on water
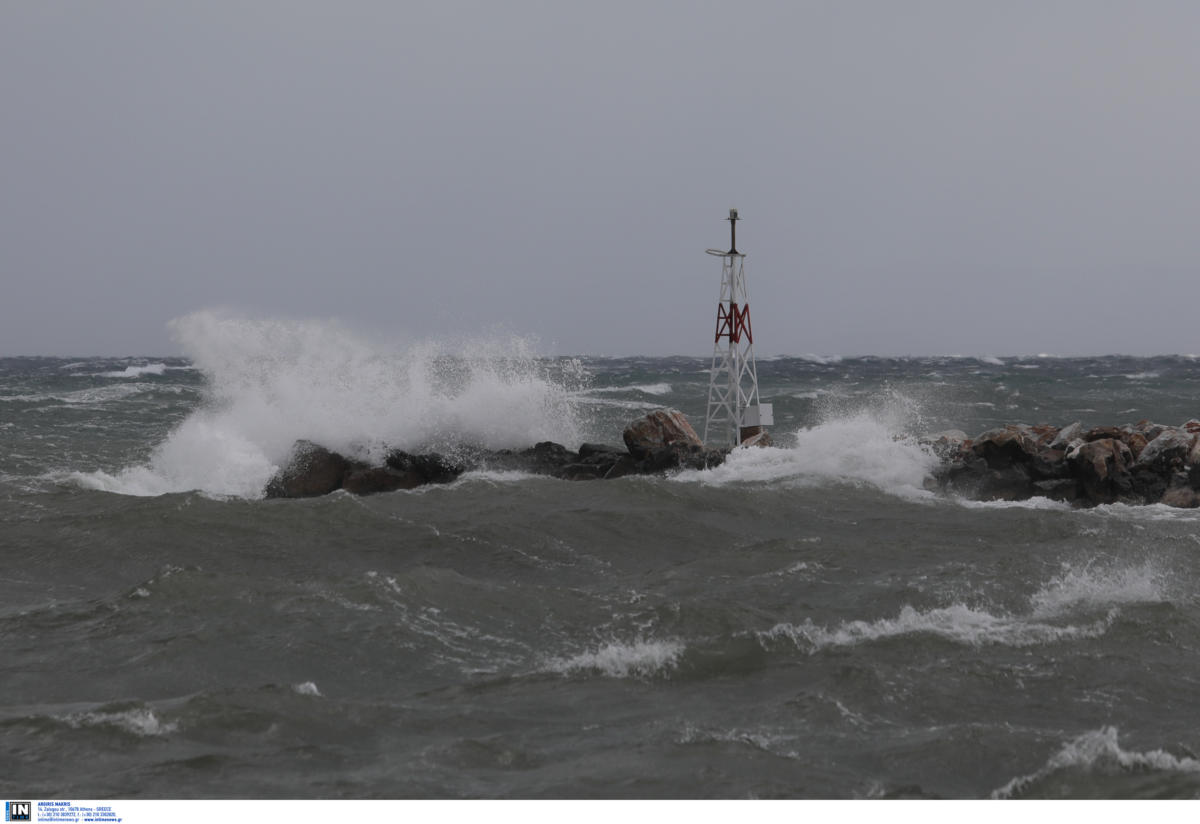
x: 958, y: 623
x: 140, y: 721
x: 272, y: 382
x: 647, y: 389
x: 1028, y: 503
x: 1099, y: 750
x: 861, y: 448
x: 1076, y: 591
x: 1100, y: 586
x: 619, y: 660
x: 137, y: 371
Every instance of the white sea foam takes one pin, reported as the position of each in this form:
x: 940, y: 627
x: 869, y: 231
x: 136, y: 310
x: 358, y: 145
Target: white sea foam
x: 140, y: 721
x: 991, y: 359
x: 1099, y: 750
x: 498, y: 476
x: 1028, y: 503
x: 307, y: 688
x: 861, y: 448
x: 647, y: 389
x: 640, y: 659
x: 1100, y: 586
x: 1148, y: 512
x: 273, y: 382
x: 95, y: 396
x: 137, y: 371
x: 958, y: 623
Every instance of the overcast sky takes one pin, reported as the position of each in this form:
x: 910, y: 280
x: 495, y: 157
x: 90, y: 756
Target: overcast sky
x: 914, y: 177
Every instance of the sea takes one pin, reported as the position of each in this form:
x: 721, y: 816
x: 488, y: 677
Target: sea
x: 807, y: 621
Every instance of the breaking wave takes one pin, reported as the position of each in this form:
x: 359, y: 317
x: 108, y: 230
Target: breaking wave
x: 861, y: 448
x: 137, y: 371
x: 1095, y: 591
x: 1098, y: 586
x: 1097, y: 751
x: 139, y: 721
x: 958, y: 623
x: 272, y: 382
x: 640, y: 659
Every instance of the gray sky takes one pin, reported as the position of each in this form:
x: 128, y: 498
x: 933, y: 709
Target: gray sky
x: 915, y: 177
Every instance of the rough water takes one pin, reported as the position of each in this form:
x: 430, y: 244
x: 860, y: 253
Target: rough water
x: 805, y: 621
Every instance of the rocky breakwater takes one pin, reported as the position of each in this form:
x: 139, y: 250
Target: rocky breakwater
x: 1142, y: 463
x: 657, y: 443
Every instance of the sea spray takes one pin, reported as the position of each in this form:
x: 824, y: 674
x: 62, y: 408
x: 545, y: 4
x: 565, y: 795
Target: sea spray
x: 272, y: 382
x: 1101, y: 585
x: 856, y: 449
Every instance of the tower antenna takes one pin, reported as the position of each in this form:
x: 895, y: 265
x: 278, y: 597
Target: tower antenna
x: 736, y: 414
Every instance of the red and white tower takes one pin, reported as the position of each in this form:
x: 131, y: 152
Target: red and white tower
x: 735, y: 413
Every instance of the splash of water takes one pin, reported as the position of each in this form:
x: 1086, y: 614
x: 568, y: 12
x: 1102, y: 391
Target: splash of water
x: 1100, y: 585
x: 272, y: 382
x: 640, y: 659
x: 861, y: 448
x: 1099, y: 751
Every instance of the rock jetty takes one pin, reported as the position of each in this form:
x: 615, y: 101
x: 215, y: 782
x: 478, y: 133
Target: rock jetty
x: 1142, y: 463
x: 657, y: 443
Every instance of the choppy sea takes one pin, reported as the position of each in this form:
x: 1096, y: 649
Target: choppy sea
x: 805, y: 621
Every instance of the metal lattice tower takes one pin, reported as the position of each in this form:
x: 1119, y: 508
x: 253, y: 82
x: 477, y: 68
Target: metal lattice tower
x: 735, y: 413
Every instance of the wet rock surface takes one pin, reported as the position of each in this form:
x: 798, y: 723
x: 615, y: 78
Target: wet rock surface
x: 660, y: 442
x: 1142, y: 463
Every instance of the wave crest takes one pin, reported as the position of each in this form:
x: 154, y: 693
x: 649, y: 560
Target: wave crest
x: 272, y: 382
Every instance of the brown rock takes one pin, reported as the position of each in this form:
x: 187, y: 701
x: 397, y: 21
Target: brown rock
x: 1001, y: 448
x: 1103, y: 469
x: 1102, y: 432
x: 1181, y: 496
x: 663, y: 427
x: 1136, y: 442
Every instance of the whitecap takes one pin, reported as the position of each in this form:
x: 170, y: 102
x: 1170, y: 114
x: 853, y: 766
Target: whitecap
x: 140, y: 721
x: 1100, y: 585
x: 137, y: 371
x: 618, y: 660
x: 858, y: 449
x: 1038, y: 503
x: 958, y: 623
x: 1099, y: 749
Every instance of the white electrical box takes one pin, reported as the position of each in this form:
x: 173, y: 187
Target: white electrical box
x: 761, y: 415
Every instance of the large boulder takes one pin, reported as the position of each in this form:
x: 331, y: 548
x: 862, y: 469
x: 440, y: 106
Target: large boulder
x: 430, y: 468
x: 311, y: 470
x: 1103, y: 468
x: 664, y: 427
x: 370, y: 480
x: 1015, y: 444
x: 1169, y: 452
